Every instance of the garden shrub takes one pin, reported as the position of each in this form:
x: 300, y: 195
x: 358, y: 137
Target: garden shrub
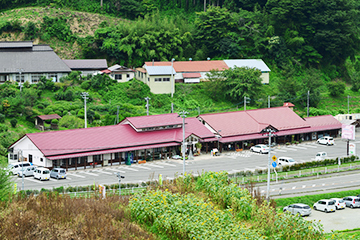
x: 13, y: 122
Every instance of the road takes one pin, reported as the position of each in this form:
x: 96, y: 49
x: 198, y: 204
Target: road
x: 228, y: 161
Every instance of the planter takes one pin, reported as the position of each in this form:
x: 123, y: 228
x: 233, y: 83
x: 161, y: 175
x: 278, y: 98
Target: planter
x: 239, y: 149
x: 141, y: 161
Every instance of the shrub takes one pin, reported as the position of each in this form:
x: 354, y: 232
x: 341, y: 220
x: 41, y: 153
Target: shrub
x: 54, y: 121
x: 336, y: 88
x: 13, y: 122
x: 2, y: 118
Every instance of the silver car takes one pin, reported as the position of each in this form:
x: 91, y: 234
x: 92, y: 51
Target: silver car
x: 58, y: 173
x: 298, y: 208
x: 26, y: 171
x: 352, y: 201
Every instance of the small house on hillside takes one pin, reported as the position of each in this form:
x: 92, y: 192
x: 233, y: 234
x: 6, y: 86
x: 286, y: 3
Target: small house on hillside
x: 119, y: 73
x: 86, y: 66
x: 40, y: 121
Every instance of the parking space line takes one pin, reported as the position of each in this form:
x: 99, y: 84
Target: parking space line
x: 102, y: 171
x: 143, y: 167
x: 289, y: 148
x: 115, y: 170
x: 132, y: 169
x: 167, y: 164
x: 93, y: 174
x: 293, y: 187
x: 278, y: 150
x: 304, y: 186
x: 33, y: 180
x: 154, y: 165
x: 313, y: 185
x: 76, y: 175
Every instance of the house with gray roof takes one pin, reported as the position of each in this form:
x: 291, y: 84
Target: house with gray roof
x: 25, y: 62
x: 86, y: 66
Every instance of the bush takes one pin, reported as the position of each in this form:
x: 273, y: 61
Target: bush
x: 2, y: 118
x: 336, y: 88
x: 54, y: 121
x: 85, y: 85
x: 13, y: 122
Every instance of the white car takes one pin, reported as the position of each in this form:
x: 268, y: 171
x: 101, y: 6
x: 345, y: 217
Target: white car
x: 325, y: 205
x: 260, y: 148
x: 320, y: 156
x: 286, y: 161
x: 26, y: 171
x: 298, y: 208
x: 339, y: 203
x: 326, y: 141
x: 42, y: 174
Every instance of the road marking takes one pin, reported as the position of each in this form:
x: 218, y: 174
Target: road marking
x: 116, y: 170
x: 89, y: 173
x: 313, y: 185
x: 310, y: 146
x: 128, y: 168
x: 298, y: 147
x: 304, y: 186
x: 143, y: 167
x: 262, y: 191
x: 33, y: 180
x: 278, y: 150
x: 273, y: 190
x: 167, y: 164
x: 102, y: 171
x: 289, y: 148
x: 76, y: 175
x: 323, y: 184
x: 153, y: 165
x: 293, y: 187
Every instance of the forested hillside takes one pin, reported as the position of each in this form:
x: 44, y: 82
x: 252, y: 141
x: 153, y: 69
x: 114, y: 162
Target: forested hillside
x: 309, y: 45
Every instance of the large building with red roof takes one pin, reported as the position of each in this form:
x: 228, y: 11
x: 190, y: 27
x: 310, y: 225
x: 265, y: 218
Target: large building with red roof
x: 160, y: 137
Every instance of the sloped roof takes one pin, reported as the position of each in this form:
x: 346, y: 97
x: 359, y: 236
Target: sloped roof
x: 160, y: 70
x: 115, y: 137
x: 253, y: 121
x: 288, y: 104
x: 251, y: 63
x: 80, y: 64
x: 192, y: 66
x: 48, y: 117
x: 191, y: 75
x: 16, y: 44
x: 154, y: 120
x: 40, y: 59
x: 325, y: 122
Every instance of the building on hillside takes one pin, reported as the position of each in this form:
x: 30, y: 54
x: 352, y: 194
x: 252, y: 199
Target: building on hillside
x: 119, y: 73
x: 135, y: 138
x: 192, y: 71
x: 86, y: 66
x: 41, y: 119
x: 25, y: 62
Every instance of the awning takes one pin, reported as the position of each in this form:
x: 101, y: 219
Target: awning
x: 211, y: 139
x: 242, y: 138
x: 128, y: 149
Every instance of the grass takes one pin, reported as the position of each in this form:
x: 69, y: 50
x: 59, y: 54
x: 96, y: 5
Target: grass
x: 346, y: 234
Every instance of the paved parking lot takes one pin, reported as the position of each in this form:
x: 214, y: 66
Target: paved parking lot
x: 340, y: 220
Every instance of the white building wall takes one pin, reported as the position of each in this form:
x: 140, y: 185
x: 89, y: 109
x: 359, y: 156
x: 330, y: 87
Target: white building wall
x: 26, y: 147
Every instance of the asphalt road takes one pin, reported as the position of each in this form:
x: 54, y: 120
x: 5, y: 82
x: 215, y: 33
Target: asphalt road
x: 228, y: 161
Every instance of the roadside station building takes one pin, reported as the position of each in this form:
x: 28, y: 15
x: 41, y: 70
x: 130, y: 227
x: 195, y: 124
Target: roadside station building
x: 160, y: 137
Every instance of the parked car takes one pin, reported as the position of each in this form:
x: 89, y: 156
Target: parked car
x: 286, y: 161
x: 26, y: 171
x: 178, y: 157
x: 339, y: 203
x: 260, y: 148
x: 326, y: 140
x: 325, y: 205
x: 42, y: 174
x: 58, y: 173
x: 352, y: 201
x: 14, y: 168
x: 298, y: 208
x: 320, y: 156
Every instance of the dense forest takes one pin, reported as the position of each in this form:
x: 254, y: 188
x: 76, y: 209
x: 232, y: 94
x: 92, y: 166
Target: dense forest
x: 311, y: 46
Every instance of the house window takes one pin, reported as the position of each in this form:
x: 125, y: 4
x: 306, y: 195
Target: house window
x: 148, y: 79
x: 97, y: 158
x: 118, y: 76
x: 142, y: 75
x: 157, y: 79
x: 30, y: 158
x: 13, y: 156
x: 20, y: 76
x: 35, y: 78
x: 2, y: 78
x: 53, y: 77
x: 41, y: 159
x: 166, y: 79
x: 127, y: 75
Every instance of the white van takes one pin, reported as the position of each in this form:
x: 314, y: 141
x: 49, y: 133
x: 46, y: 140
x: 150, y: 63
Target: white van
x: 42, y: 174
x: 286, y: 161
x: 320, y: 156
x: 15, y: 167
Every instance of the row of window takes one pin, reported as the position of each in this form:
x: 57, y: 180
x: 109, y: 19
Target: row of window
x: 119, y: 76
x: 162, y: 79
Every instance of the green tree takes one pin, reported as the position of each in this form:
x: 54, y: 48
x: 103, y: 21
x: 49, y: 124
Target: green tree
x: 312, y: 80
x: 336, y: 88
x: 13, y: 122
x: 5, y: 185
x: 216, y: 87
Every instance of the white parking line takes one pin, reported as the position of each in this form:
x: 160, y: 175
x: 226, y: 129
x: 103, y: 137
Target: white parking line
x: 143, y: 167
x: 297, y: 147
x: 289, y: 148
x: 75, y: 175
x: 293, y: 187
x: 304, y: 186
x: 102, y: 171
x: 89, y: 173
x: 167, y: 164
x: 115, y: 170
x: 278, y: 150
x: 310, y: 146
x: 313, y: 185
x: 323, y: 184
x: 132, y: 169
x: 153, y: 165
x: 33, y: 180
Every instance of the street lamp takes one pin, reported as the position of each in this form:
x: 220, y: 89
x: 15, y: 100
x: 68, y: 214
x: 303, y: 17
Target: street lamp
x: 172, y: 76
x: 270, y: 132
x: 118, y: 174
x: 183, y: 115
x: 85, y: 96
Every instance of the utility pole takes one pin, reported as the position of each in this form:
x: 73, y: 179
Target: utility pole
x: 172, y: 107
x: 245, y: 101
x: 118, y: 174
x: 117, y: 116
x: 183, y: 115
x: 147, y: 105
x: 20, y: 158
x: 172, y: 78
x: 20, y: 83
x: 348, y: 104
x: 85, y: 96
x: 269, y: 101
x: 308, y: 100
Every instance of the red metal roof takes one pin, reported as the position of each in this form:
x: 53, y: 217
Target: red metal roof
x: 48, y: 117
x: 107, y: 71
x: 191, y: 75
x: 325, y: 122
x: 113, y: 138
x: 288, y: 104
x: 193, y: 66
x: 154, y: 120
